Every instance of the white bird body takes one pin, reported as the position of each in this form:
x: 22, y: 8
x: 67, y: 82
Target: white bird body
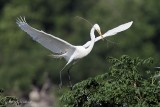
x: 57, y: 45
x: 80, y: 51
x: 63, y: 48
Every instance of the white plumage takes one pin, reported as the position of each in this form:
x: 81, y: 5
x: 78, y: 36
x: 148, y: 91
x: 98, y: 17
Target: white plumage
x: 57, y: 45
x: 63, y: 48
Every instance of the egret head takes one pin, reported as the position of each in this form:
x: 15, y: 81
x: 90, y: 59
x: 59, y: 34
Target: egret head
x: 96, y: 26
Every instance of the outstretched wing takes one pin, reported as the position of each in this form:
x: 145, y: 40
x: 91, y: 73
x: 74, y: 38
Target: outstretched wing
x: 49, y: 41
x: 116, y: 30
x: 112, y: 32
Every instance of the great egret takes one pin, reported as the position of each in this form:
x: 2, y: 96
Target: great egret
x: 64, y: 49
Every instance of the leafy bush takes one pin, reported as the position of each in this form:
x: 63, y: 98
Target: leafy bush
x: 128, y: 83
x: 6, y: 101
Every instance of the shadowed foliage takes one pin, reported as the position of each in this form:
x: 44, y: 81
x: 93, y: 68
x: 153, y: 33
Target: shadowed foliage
x: 125, y: 84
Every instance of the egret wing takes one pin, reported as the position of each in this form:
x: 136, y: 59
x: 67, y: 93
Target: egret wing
x: 49, y: 41
x: 116, y: 30
x: 111, y: 32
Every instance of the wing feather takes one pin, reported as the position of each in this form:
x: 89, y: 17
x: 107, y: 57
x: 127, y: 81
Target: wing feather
x: 54, y: 44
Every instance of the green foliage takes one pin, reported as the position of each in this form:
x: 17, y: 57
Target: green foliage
x: 126, y: 84
x: 6, y: 101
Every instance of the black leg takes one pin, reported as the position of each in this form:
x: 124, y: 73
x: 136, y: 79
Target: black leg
x: 60, y: 84
x: 60, y: 75
x: 69, y: 78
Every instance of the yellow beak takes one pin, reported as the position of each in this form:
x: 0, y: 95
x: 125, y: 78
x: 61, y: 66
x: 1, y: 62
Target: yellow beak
x: 100, y: 33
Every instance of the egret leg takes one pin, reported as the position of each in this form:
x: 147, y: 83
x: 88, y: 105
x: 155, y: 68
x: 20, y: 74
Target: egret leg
x: 69, y: 78
x: 60, y: 75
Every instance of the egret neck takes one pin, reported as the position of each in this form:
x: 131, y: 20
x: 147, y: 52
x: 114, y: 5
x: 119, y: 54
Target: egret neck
x: 92, y: 35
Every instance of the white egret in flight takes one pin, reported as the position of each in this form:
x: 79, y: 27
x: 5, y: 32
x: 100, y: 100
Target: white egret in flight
x: 63, y: 49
